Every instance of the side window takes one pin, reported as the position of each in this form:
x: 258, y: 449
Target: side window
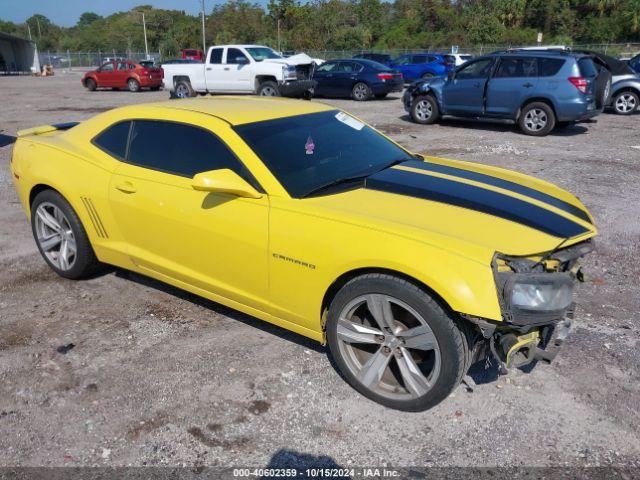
x: 107, y: 67
x: 548, y: 67
x: 132, y: 66
x: 517, y: 67
x: 216, y: 56
x: 233, y: 54
x: 114, y: 139
x: 179, y: 149
x: 122, y: 66
x: 418, y: 59
x: 477, y: 69
x: 347, y: 67
x: 327, y: 67
x: 403, y: 61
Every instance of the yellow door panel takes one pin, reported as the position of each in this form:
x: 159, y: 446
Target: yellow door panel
x: 216, y: 242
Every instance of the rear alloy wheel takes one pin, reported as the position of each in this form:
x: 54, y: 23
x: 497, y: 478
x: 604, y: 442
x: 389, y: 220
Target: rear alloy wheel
x: 625, y: 103
x: 90, y: 83
x: 60, y: 236
x: 360, y: 92
x: 537, y: 119
x: 183, y: 90
x: 394, y: 344
x: 427, y: 75
x: 424, y: 109
x: 133, y: 85
x: 268, y: 89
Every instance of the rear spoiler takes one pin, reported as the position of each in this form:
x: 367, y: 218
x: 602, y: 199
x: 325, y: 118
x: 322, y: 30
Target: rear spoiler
x: 46, y: 129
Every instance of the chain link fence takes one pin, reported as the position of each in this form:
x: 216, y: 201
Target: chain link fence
x: 91, y: 59
x: 620, y: 50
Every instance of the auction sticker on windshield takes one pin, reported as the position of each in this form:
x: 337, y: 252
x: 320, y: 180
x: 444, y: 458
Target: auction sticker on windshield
x: 349, y: 120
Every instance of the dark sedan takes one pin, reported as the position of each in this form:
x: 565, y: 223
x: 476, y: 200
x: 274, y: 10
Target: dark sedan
x: 356, y: 78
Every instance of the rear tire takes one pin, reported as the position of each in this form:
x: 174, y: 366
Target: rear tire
x: 183, y: 89
x: 411, y: 363
x: 425, y: 110
x: 361, y: 92
x: 625, y: 103
x: 91, y: 85
x: 268, y: 89
x: 537, y: 119
x: 133, y: 85
x: 60, y: 236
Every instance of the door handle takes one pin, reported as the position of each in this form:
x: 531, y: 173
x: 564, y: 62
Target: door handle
x: 208, y: 69
x: 527, y: 85
x: 226, y: 68
x: 126, y: 187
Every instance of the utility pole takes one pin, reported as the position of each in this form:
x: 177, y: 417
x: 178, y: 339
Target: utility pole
x: 279, y: 47
x: 146, y: 45
x: 204, y: 43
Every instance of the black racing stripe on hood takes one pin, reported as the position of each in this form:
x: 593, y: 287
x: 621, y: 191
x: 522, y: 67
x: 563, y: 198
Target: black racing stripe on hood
x: 463, y: 195
x: 499, y: 182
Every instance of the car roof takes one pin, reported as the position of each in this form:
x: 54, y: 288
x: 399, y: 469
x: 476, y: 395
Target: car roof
x: 538, y: 53
x: 237, y: 110
x: 363, y: 61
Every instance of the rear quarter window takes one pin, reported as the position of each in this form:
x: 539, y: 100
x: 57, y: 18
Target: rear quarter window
x: 114, y: 139
x: 587, y: 68
x: 548, y: 67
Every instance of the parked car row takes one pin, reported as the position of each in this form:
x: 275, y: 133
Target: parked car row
x: 538, y: 89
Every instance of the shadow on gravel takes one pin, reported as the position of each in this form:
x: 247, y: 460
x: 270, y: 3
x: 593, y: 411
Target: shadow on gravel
x: 283, y: 459
x: 221, y: 309
x: 6, y: 140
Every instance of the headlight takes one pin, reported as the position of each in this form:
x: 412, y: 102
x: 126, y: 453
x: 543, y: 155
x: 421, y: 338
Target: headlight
x: 545, y: 297
x: 530, y: 298
x: 289, y: 73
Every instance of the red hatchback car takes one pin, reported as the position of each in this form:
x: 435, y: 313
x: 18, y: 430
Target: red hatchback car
x: 123, y: 74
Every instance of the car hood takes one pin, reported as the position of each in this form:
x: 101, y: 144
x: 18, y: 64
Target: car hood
x: 466, y: 207
x: 299, y: 59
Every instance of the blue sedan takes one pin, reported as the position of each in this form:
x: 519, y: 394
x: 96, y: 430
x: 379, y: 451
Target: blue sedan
x: 415, y: 66
x: 356, y: 78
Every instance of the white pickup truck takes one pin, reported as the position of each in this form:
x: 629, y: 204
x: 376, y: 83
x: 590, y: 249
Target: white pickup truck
x: 252, y: 69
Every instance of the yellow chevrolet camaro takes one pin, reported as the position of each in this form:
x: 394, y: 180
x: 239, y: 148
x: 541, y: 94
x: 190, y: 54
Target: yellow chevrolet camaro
x: 408, y: 267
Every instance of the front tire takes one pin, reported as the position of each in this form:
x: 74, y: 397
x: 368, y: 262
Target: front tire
x: 60, y: 236
x: 268, y: 89
x: 133, y: 85
x: 625, y: 103
x: 91, y: 85
x: 425, y: 110
x: 537, y: 119
x: 394, y: 343
x: 361, y: 92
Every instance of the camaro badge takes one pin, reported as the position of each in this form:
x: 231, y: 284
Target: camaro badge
x: 309, y: 146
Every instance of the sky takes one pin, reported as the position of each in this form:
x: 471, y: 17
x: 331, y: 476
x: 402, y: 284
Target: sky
x: 66, y: 12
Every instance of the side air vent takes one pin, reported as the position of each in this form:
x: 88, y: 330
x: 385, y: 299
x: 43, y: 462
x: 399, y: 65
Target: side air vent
x: 95, y: 218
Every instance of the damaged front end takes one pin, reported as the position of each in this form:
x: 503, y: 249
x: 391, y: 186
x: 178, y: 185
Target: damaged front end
x: 536, y: 299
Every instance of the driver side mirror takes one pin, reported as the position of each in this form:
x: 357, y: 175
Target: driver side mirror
x: 241, y: 60
x: 224, y: 181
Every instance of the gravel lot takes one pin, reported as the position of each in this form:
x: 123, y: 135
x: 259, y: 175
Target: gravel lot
x: 160, y: 377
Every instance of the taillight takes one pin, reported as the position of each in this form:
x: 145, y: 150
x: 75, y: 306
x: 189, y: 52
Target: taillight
x: 580, y: 83
x: 385, y: 76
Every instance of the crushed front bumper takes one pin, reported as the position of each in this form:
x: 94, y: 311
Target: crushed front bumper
x: 296, y: 88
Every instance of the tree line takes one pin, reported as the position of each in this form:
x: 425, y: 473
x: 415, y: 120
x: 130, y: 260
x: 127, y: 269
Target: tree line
x: 345, y: 25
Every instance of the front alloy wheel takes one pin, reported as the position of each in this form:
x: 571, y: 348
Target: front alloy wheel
x: 394, y: 344
x: 396, y: 355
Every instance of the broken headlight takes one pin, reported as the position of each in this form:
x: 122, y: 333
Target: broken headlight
x: 534, y: 298
x: 289, y: 73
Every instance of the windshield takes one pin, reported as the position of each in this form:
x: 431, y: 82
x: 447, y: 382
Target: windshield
x: 261, y: 53
x: 306, y: 152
